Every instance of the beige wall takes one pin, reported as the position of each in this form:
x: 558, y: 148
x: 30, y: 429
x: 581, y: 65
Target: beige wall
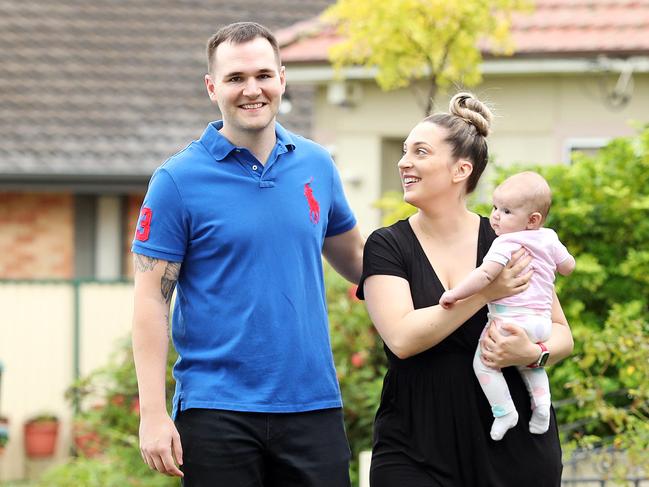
x: 37, y: 351
x: 536, y: 116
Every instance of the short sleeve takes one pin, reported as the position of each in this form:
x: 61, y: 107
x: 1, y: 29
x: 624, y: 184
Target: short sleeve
x: 381, y: 256
x: 560, y: 252
x: 341, y: 218
x: 161, y: 230
x: 501, y: 251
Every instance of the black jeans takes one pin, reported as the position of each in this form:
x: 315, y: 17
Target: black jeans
x: 232, y: 449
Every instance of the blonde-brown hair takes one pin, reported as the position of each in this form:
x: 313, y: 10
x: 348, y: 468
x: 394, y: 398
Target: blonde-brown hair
x: 468, y: 124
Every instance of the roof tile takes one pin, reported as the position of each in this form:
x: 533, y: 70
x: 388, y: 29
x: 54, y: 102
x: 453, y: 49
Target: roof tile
x: 116, y: 86
x: 554, y: 27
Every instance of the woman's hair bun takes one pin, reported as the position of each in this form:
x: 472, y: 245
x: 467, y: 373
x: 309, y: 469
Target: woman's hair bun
x: 468, y: 107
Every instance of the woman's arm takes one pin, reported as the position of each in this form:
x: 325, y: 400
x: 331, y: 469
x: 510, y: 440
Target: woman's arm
x: 517, y: 349
x: 408, y: 331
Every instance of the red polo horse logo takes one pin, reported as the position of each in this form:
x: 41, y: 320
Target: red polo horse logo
x: 314, y: 207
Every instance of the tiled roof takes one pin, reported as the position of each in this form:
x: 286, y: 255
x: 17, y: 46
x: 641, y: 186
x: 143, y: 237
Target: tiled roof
x: 554, y: 28
x: 115, y: 86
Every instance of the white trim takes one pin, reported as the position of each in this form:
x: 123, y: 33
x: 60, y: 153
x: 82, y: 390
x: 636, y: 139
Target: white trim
x: 317, y: 73
x: 364, y: 462
x: 108, y: 244
x: 576, y: 143
x: 322, y: 73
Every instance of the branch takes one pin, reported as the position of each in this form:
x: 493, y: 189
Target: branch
x: 434, y: 72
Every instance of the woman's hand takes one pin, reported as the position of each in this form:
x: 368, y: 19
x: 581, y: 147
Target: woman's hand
x: 511, y: 280
x: 507, y: 344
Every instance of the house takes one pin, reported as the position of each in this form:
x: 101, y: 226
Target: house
x: 94, y: 96
x: 578, y: 76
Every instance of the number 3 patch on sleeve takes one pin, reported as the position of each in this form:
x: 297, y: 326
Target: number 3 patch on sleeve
x: 144, y: 225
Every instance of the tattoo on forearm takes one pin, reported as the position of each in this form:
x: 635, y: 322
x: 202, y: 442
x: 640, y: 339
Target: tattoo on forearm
x: 169, y: 279
x: 144, y: 263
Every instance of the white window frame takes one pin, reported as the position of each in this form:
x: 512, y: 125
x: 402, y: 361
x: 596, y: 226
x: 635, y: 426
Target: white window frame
x: 577, y: 143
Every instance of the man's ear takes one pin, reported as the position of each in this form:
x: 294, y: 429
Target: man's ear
x: 463, y: 169
x: 282, y: 78
x: 534, y: 221
x: 211, y: 88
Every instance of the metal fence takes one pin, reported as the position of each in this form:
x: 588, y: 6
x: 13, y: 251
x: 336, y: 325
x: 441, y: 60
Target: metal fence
x: 595, y: 482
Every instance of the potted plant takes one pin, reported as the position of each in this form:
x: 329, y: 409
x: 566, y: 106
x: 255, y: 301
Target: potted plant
x: 4, y: 432
x: 41, y: 433
x: 87, y: 440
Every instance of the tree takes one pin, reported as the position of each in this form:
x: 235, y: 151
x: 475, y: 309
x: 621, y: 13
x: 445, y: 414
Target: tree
x: 408, y: 40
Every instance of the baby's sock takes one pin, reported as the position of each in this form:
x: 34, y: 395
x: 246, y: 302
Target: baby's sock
x: 502, y: 424
x: 540, y: 421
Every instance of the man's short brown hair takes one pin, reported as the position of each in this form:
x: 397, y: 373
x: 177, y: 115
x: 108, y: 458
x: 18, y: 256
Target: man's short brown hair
x: 239, y: 33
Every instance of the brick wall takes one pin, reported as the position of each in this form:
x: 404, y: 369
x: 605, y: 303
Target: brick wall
x: 133, y: 203
x: 36, y: 236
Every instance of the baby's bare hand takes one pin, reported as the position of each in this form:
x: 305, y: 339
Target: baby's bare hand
x: 447, y: 300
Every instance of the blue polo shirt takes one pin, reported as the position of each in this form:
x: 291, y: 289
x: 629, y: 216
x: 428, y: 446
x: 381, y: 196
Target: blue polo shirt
x: 250, y: 320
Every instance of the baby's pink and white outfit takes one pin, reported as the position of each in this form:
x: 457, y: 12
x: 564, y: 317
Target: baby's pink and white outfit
x: 531, y: 310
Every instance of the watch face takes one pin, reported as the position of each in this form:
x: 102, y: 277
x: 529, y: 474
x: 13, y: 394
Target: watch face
x: 543, y: 358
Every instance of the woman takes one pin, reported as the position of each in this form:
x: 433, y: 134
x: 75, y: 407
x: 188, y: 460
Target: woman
x: 432, y: 426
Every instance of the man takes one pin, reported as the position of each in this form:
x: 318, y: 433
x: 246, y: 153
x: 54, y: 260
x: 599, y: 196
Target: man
x: 239, y: 220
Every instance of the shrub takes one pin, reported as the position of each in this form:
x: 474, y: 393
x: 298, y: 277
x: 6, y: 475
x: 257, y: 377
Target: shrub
x: 360, y: 362
x: 600, y: 210
x: 109, y: 417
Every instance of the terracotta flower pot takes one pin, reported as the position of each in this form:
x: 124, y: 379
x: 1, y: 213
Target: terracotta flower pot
x: 87, y: 441
x: 40, y: 437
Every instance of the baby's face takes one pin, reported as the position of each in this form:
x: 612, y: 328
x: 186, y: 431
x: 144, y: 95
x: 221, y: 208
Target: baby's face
x: 509, y: 212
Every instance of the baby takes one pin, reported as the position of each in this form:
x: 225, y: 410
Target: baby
x: 520, y: 206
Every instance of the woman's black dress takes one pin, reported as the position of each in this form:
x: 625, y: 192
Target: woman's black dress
x: 432, y: 426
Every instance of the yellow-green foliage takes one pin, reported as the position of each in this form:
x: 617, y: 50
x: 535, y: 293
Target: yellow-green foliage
x: 415, y: 39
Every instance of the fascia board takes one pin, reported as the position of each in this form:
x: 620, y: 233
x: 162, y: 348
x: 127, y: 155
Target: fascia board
x: 318, y: 73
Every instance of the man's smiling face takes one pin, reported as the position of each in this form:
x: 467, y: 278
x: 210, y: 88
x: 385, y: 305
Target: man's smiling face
x: 247, y: 84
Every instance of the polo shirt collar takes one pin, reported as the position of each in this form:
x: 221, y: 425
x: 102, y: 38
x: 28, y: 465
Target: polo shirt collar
x: 220, y: 147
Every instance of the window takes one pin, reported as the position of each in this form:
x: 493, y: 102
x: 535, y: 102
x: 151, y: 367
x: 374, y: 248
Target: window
x: 98, y: 236
x: 391, y: 151
x: 588, y: 146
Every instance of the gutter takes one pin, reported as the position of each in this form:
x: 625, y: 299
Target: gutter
x: 322, y: 73
x: 76, y: 183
